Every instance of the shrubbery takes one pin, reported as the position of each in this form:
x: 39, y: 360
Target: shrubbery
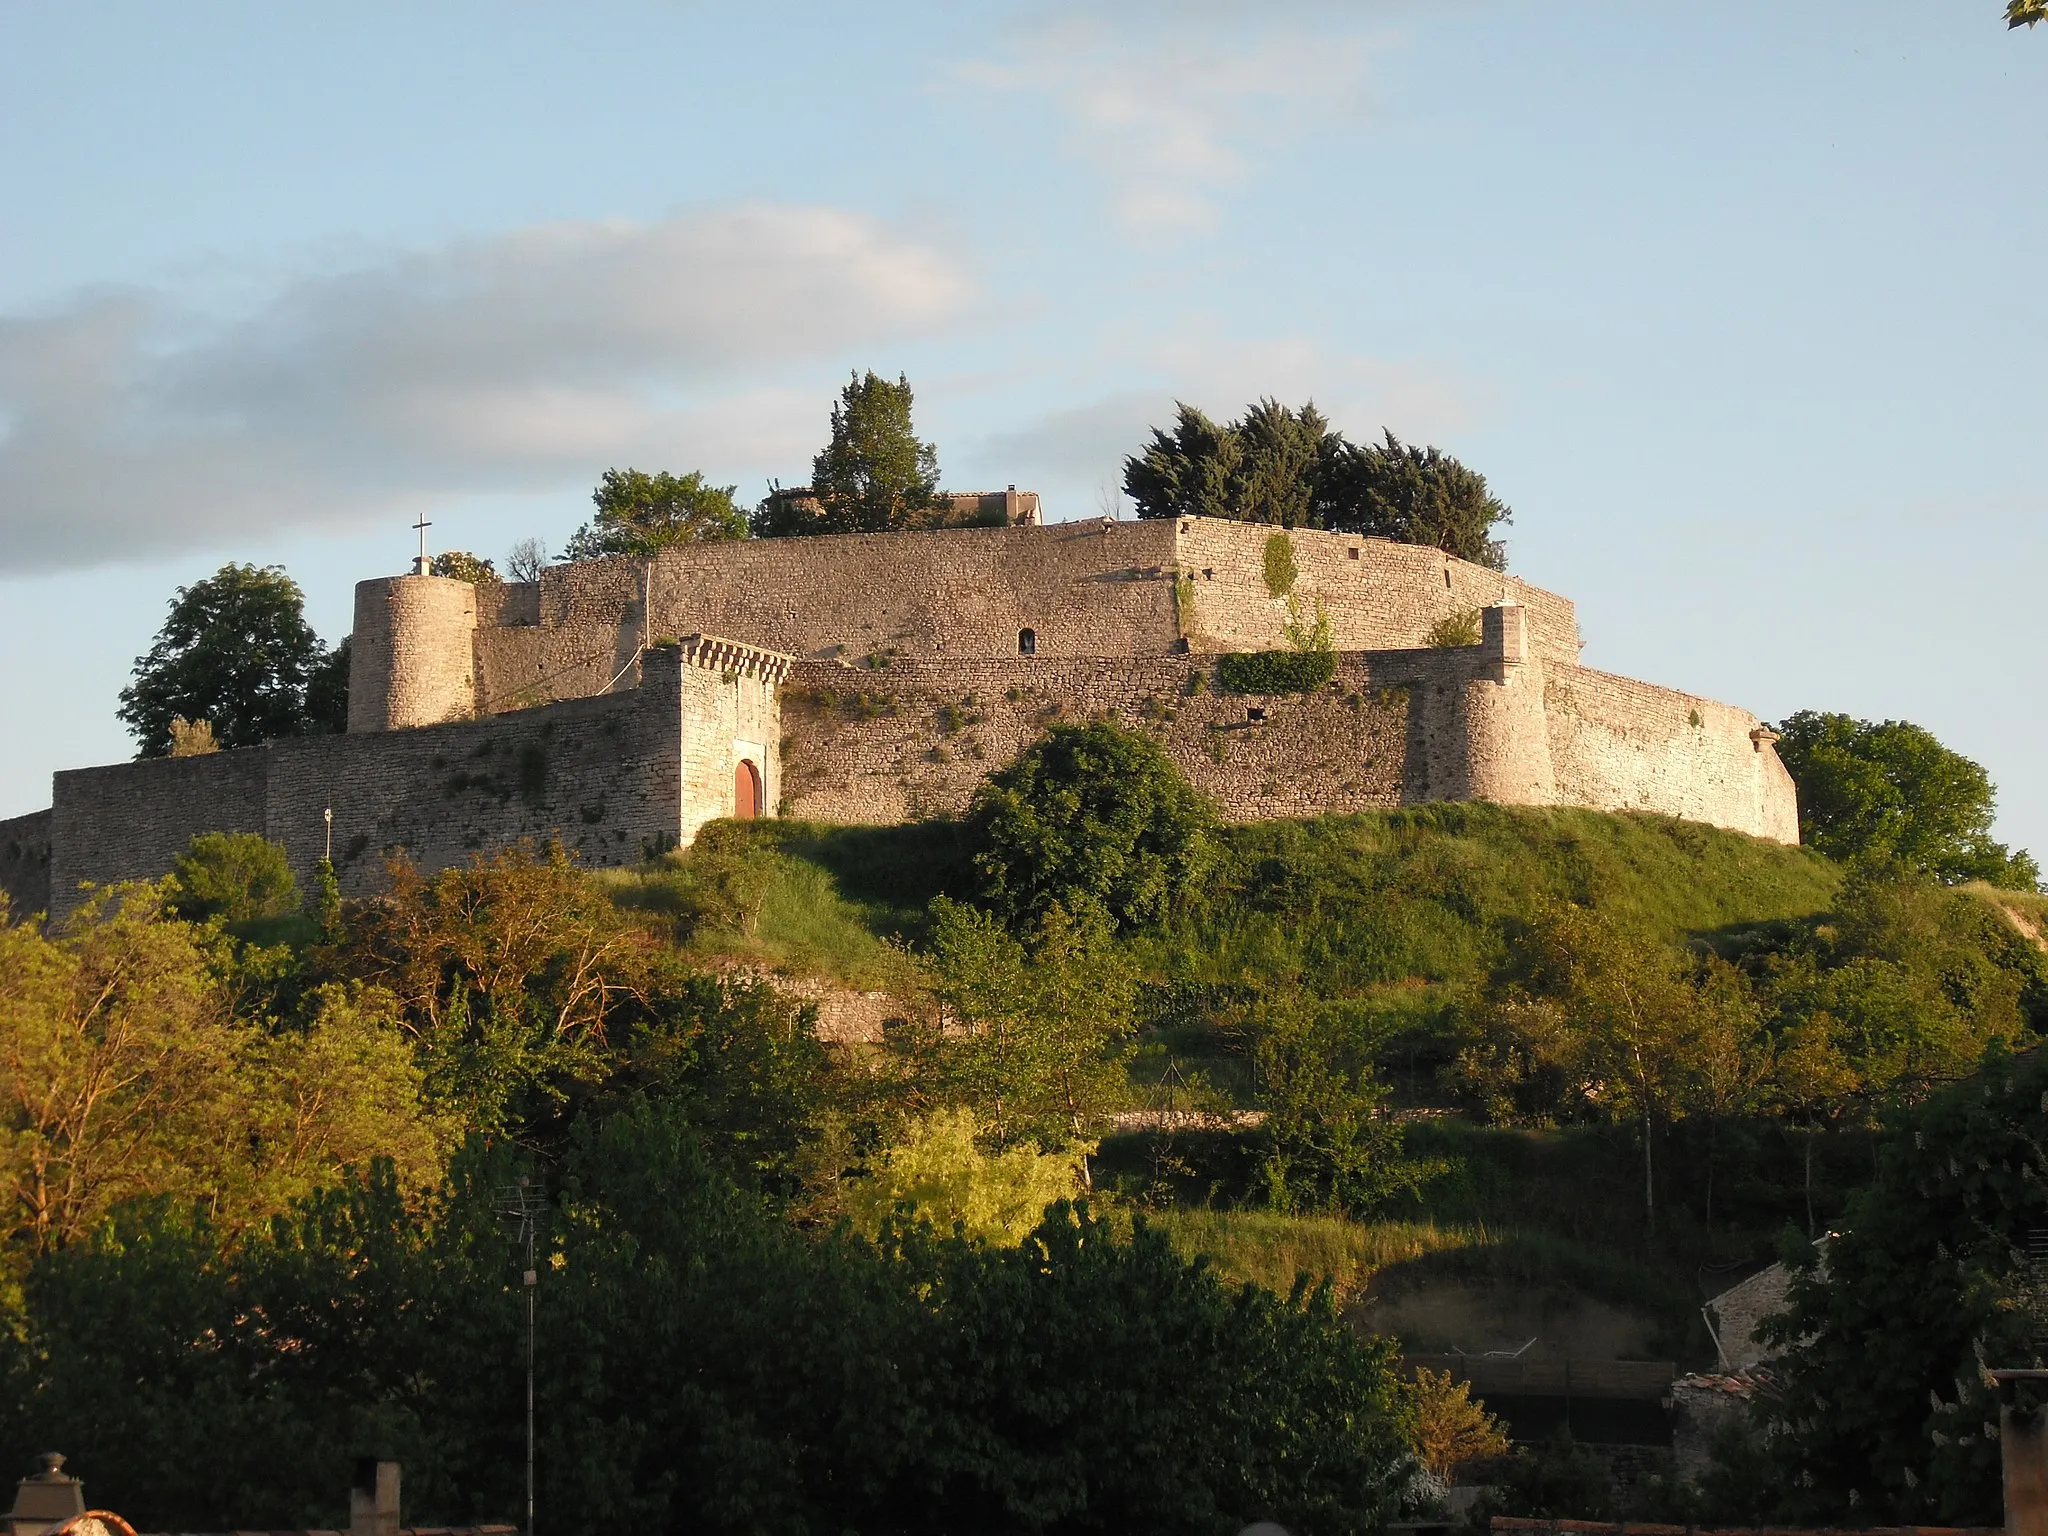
x: 1095, y: 820
x: 1275, y: 671
x: 702, y: 1365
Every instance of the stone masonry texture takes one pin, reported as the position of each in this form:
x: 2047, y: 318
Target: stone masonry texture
x: 880, y: 677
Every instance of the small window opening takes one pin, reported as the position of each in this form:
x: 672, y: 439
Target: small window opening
x: 1255, y: 713
x: 1352, y: 551
x: 1027, y: 642
x: 1208, y: 574
x: 1447, y: 578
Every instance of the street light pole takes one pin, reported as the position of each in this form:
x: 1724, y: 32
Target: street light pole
x: 522, y: 1202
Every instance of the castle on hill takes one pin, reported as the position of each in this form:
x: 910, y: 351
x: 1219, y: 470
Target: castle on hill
x: 618, y: 705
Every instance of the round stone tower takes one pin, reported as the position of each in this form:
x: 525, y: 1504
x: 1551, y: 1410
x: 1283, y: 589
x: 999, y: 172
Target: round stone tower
x: 413, y: 659
x: 1484, y: 734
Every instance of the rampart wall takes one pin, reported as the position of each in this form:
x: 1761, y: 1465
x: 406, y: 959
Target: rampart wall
x: 1619, y: 744
x: 25, y: 862
x: 1379, y: 595
x: 1096, y: 588
x: 917, y: 738
x: 1393, y: 728
x: 611, y: 777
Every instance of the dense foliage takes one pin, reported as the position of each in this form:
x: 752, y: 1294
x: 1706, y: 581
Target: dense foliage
x: 640, y: 514
x: 1889, y: 790
x: 1275, y: 671
x: 1664, y: 1043
x: 702, y: 1366
x: 234, y: 876
x: 1094, y: 820
x: 140, y: 1056
x: 236, y: 652
x: 1290, y: 468
x: 712, y: 1355
x: 1883, y: 1412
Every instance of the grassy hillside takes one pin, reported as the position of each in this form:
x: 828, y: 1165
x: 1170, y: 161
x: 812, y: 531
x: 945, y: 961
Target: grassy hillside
x: 1400, y: 917
x: 1343, y: 904
x: 1432, y: 894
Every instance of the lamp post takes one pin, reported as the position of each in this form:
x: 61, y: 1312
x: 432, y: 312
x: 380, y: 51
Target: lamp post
x: 328, y: 816
x: 522, y: 1203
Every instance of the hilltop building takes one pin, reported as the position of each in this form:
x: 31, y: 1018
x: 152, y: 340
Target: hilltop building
x: 618, y: 705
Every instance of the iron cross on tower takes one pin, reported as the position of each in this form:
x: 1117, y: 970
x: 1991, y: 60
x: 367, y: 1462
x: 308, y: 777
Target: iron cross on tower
x: 423, y: 566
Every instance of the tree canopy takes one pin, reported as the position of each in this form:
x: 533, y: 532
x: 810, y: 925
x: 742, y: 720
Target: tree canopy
x: 704, y: 1365
x: 1095, y: 820
x: 1888, y: 790
x: 1882, y: 1412
x: 874, y: 475
x: 640, y: 514
x: 2025, y: 13
x: 1289, y: 467
x: 236, y: 651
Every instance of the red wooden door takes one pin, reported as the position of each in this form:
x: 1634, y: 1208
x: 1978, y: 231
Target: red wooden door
x: 746, y: 791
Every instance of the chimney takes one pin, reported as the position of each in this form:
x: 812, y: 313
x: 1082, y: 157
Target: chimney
x: 45, y: 1501
x: 373, y: 1499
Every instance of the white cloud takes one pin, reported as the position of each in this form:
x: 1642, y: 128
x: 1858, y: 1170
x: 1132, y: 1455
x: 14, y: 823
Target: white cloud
x: 521, y: 362
x: 1172, y: 107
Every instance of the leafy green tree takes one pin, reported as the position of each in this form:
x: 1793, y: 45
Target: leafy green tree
x: 1042, y: 1027
x: 639, y: 515
x: 461, y: 565
x: 1328, y: 1144
x: 1415, y: 495
x: 1882, y: 1412
x: 1594, y: 1022
x: 234, y: 876
x: 1272, y: 465
x: 1287, y: 467
x: 2025, y: 13
x: 327, y: 690
x: 237, y: 652
x: 703, y: 1365
x: 873, y: 476
x: 507, y: 972
x: 1890, y: 790
x: 1094, y: 819
x: 936, y: 1172
x: 127, y: 1072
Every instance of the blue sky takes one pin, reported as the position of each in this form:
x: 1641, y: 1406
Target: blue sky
x: 1737, y: 305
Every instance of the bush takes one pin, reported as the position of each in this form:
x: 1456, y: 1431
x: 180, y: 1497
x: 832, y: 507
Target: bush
x: 235, y: 876
x: 1455, y: 631
x: 1275, y: 671
x: 1095, y: 820
x: 938, y: 1174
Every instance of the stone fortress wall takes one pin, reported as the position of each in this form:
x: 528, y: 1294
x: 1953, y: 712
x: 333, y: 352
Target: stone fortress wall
x: 1089, y: 589
x: 1394, y: 727
x: 614, y: 777
x: 891, y: 672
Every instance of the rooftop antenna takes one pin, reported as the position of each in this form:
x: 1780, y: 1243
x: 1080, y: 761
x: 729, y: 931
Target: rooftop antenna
x: 522, y: 1203
x: 423, y: 566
